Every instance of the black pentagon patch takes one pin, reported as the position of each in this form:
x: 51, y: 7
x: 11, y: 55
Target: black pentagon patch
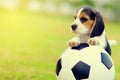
x: 81, y: 70
x: 58, y: 67
x: 81, y: 46
x: 106, y: 60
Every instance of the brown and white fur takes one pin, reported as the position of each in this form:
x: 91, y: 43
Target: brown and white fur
x: 89, y: 27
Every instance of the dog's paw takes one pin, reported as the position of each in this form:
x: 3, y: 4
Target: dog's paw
x: 73, y: 43
x: 93, y: 41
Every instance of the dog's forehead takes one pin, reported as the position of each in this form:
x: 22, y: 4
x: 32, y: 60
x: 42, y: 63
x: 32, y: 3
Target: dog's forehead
x: 89, y: 12
x: 79, y: 11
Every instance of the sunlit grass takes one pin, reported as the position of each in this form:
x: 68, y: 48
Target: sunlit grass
x: 113, y: 33
x: 30, y: 44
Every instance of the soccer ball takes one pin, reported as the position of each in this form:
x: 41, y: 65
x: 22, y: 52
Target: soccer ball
x: 85, y: 63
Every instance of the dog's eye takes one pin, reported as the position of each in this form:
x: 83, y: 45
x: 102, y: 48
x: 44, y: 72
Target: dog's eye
x: 83, y: 19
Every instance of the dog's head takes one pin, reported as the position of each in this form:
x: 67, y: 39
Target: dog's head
x: 88, y: 21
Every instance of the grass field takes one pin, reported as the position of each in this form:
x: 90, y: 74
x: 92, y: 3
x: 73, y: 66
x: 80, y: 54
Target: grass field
x: 30, y: 44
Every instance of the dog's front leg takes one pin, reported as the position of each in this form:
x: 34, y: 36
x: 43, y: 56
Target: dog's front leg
x: 94, y: 41
x: 74, y: 42
x: 97, y: 41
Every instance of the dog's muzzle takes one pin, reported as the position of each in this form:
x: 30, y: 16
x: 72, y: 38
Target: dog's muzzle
x: 74, y: 26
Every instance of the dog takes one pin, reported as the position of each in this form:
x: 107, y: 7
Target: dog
x: 90, y: 28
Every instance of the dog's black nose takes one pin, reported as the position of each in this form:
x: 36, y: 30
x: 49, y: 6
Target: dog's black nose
x: 74, y: 26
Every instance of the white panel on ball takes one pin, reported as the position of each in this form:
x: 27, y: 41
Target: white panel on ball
x: 88, y: 63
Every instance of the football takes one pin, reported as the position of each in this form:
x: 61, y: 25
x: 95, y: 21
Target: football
x: 85, y: 63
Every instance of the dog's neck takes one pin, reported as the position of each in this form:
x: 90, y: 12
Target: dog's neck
x: 84, y: 37
x: 87, y: 34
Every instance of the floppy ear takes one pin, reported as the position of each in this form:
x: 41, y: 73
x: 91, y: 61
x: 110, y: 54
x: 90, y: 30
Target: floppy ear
x: 99, y: 26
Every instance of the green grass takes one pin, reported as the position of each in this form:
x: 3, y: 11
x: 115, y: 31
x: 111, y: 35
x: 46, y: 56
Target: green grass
x: 113, y: 31
x: 30, y: 44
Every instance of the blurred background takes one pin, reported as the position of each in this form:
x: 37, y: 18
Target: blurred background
x: 33, y: 34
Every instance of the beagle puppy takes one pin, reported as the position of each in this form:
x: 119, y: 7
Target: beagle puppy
x: 89, y: 27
